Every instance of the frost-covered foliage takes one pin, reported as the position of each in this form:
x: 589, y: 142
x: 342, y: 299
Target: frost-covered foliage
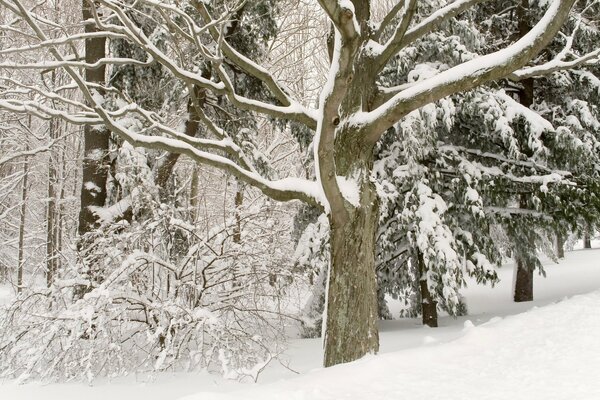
x: 456, y: 175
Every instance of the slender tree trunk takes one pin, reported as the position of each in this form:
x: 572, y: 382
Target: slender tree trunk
x: 165, y: 170
x: 587, y: 239
x: 352, y: 312
x: 96, y: 138
x: 523, y: 282
x: 428, y: 305
x: 560, y: 245
x: 20, y: 259
x: 51, y: 253
x: 523, y: 290
x: 194, y: 195
x: 239, y: 200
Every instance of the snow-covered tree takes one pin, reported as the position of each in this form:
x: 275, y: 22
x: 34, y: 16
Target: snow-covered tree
x: 353, y: 113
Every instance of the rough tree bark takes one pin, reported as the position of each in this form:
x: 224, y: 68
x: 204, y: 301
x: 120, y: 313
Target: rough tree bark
x: 352, y: 312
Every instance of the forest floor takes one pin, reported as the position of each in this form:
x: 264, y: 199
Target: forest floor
x: 546, y: 349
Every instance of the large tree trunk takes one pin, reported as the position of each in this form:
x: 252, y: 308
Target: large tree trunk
x: 352, y: 312
x: 428, y: 305
x: 96, y: 138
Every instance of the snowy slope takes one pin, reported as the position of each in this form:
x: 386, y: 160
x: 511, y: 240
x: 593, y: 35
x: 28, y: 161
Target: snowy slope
x: 551, y: 352
x: 546, y: 353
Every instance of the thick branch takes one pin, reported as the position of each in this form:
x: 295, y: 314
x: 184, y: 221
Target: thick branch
x: 243, y: 62
x: 465, y: 76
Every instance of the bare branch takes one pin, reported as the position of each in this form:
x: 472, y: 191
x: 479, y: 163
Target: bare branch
x: 293, y: 112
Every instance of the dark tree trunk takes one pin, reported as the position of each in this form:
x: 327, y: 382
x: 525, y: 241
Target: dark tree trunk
x: 194, y: 195
x: 96, y: 164
x: 165, y: 170
x: 428, y: 305
x: 523, y: 290
x: 560, y: 245
x: 523, y: 283
x: 239, y: 200
x: 587, y: 239
x: 352, y: 311
x: 51, y: 211
x: 20, y: 258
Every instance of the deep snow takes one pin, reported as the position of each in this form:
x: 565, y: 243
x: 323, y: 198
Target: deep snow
x: 547, y: 349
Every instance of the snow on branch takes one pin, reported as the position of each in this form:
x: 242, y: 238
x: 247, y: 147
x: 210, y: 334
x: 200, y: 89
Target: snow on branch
x: 62, y: 41
x: 291, y: 110
x: 243, y: 62
x: 404, y: 36
x: 393, y: 44
x: 283, y: 190
x: 559, y: 63
x: 49, y: 65
x: 343, y: 16
x: 465, y: 76
x: 28, y: 153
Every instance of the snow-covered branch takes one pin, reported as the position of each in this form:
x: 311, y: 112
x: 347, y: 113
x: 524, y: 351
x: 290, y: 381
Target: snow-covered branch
x: 343, y: 16
x: 393, y: 44
x: 404, y: 36
x: 465, y: 76
x: 291, y: 111
x: 282, y: 190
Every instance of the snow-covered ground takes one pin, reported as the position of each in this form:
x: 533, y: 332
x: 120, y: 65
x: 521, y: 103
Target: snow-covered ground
x: 548, y: 349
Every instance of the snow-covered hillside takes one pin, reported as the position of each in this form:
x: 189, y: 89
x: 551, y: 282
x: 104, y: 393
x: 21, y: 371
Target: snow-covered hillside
x: 548, y: 349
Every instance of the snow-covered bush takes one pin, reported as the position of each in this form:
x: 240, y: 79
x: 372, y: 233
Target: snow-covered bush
x: 168, y: 295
